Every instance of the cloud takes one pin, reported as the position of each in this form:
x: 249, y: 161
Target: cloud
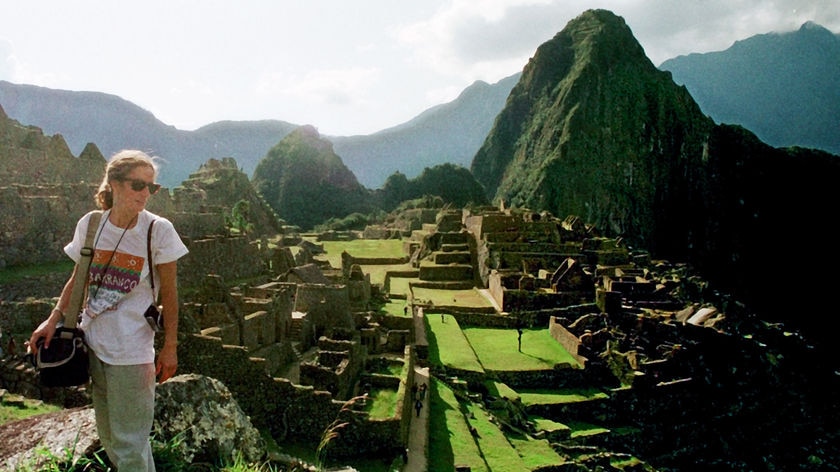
x: 667, y: 29
x: 13, y: 69
x: 485, y: 40
x: 325, y: 86
x: 8, y: 61
x: 514, y: 34
x: 480, y: 39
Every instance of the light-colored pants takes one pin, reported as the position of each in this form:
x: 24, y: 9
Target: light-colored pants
x: 124, y: 402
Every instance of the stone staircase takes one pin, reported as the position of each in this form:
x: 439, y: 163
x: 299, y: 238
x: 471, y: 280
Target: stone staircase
x: 453, y: 262
x: 296, y: 328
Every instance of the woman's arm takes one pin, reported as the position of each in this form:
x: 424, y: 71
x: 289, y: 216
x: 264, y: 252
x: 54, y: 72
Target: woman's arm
x: 47, y: 328
x: 167, y: 362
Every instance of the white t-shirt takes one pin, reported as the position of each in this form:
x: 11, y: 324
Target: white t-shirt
x: 120, y: 289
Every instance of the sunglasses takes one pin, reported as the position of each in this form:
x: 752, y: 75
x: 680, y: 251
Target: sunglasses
x: 138, y: 185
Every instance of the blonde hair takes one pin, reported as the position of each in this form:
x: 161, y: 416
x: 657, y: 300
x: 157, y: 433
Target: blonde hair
x: 119, y: 166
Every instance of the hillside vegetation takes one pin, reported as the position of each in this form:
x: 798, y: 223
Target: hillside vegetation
x: 308, y: 184
x: 594, y: 129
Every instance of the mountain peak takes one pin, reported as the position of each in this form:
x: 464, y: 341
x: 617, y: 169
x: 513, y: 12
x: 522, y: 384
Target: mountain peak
x: 595, y: 37
x: 811, y: 26
x: 590, y: 93
x: 596, y: 30
x: 303, y: 168
x: 816, y: 35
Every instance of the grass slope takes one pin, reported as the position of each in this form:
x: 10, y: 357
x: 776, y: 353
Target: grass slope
x: 448, y: 346
x: 498, y: 349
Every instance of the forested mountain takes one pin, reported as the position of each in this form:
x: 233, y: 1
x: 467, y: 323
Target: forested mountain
x: 304, y: 180
x: 306, y: 183
x: 594, y: 129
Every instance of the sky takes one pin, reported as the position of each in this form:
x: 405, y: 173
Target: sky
x: 347, y: 67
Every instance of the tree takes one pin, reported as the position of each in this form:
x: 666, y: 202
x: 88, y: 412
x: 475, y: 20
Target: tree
x: 238, y: 218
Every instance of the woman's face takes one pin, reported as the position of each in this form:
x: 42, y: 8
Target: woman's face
x: 131, y: 193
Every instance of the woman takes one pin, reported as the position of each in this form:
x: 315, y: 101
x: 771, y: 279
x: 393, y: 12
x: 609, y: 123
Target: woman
x: 120, y: 341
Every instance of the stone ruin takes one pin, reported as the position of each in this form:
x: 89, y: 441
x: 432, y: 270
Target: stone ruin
x: 293, y: 347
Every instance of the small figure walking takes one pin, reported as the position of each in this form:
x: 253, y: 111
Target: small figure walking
x: 405, y: 310
x: 519, y: 337
x: 423, y: 391
x: 418, y: 405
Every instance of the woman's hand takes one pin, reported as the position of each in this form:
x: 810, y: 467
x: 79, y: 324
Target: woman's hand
x: 167, y: 362
x: 45, y: 330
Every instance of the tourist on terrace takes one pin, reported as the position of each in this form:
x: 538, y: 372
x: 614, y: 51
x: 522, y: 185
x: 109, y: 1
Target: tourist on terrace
x: 119, y: 338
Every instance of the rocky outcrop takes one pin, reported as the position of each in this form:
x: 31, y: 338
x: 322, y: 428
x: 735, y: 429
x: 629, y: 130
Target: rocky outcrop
x: 208, y: 421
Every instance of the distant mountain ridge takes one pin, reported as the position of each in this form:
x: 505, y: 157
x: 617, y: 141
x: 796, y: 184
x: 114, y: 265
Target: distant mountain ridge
x: 113, y: 123
x: 448, y: 133
x: 794, y: 114
x: 781, y: 86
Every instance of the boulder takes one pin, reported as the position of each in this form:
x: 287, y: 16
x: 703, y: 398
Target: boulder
x: 207, y: 421
x: 198, y: 411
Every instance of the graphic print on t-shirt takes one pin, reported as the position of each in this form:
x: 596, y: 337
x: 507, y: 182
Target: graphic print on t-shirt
x: 112, y: 276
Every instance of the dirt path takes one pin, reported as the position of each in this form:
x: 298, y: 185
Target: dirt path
x: 418, y: 436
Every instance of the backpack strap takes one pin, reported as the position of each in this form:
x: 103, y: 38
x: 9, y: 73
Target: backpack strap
x: 82, y: 272
x: 149, y: 256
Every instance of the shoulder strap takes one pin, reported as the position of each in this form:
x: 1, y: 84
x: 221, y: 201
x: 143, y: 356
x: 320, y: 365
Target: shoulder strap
x: 149, y: 255
x: 82, y: 272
